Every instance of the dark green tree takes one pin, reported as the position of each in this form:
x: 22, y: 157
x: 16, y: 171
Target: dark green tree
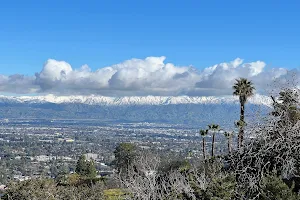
x: 81, y: 166
x: 243, y: 88
x: 274, y: 188
x: 125, y: 153
x: 85, y: 167
x: 91, y: 171
x: 220, y: 187
x: 54, y: 171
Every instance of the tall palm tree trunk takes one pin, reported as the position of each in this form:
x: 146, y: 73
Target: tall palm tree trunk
x: 229, y: 145
x: 213, y: 145
x: 242, y: 121
x: 203, y: 148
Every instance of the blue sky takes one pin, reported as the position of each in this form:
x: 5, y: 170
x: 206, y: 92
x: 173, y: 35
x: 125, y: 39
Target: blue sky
x: 44, y: 44
x: 106, y: 32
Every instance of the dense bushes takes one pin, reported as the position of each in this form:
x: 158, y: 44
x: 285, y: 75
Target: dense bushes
x: 47, y: 189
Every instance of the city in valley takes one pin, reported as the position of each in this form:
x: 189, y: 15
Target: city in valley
x: 35, y: 148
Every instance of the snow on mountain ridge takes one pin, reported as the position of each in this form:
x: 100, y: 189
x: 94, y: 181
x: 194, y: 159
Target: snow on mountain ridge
x: 134, y: 100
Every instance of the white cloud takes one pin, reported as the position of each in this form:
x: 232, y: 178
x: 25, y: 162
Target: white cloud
x: 221, y: 77
x: 149, y: 76
x: 18, y: 84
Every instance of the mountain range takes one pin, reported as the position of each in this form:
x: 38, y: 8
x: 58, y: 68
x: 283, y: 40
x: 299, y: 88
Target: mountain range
x: 161, y: 109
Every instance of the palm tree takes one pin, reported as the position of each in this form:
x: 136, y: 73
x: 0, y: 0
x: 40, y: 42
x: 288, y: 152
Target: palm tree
x: 213, y: 128
x: 228, y: 136
x: 203, y: 133
x: 244, y: 89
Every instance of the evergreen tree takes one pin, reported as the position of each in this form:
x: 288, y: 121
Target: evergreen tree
x: 124, y: 156
x: 54, y: 171
x: 86, y: 167
x: 63, y: 169
x: 274, y: 188
x: 91, y: 171
x: 81, y: 166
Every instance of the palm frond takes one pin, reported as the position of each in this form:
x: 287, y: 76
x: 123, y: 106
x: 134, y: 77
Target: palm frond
x: 243, y: 88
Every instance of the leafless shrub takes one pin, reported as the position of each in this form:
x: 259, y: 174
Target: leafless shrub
x: 275, y: 147
x: 145, y: 181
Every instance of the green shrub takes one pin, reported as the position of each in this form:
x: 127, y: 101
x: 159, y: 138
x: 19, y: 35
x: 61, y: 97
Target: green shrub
x: 273, y: 188
x: 47, y: 189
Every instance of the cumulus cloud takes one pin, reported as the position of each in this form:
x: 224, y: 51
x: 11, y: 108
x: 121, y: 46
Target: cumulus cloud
x: 219, y: 78
x: 18, y: 84
x: 149, y: 76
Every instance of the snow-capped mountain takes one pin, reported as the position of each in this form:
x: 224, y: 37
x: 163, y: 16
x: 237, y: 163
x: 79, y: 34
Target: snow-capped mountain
x: 134, y: 100
x: 181, y: 110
